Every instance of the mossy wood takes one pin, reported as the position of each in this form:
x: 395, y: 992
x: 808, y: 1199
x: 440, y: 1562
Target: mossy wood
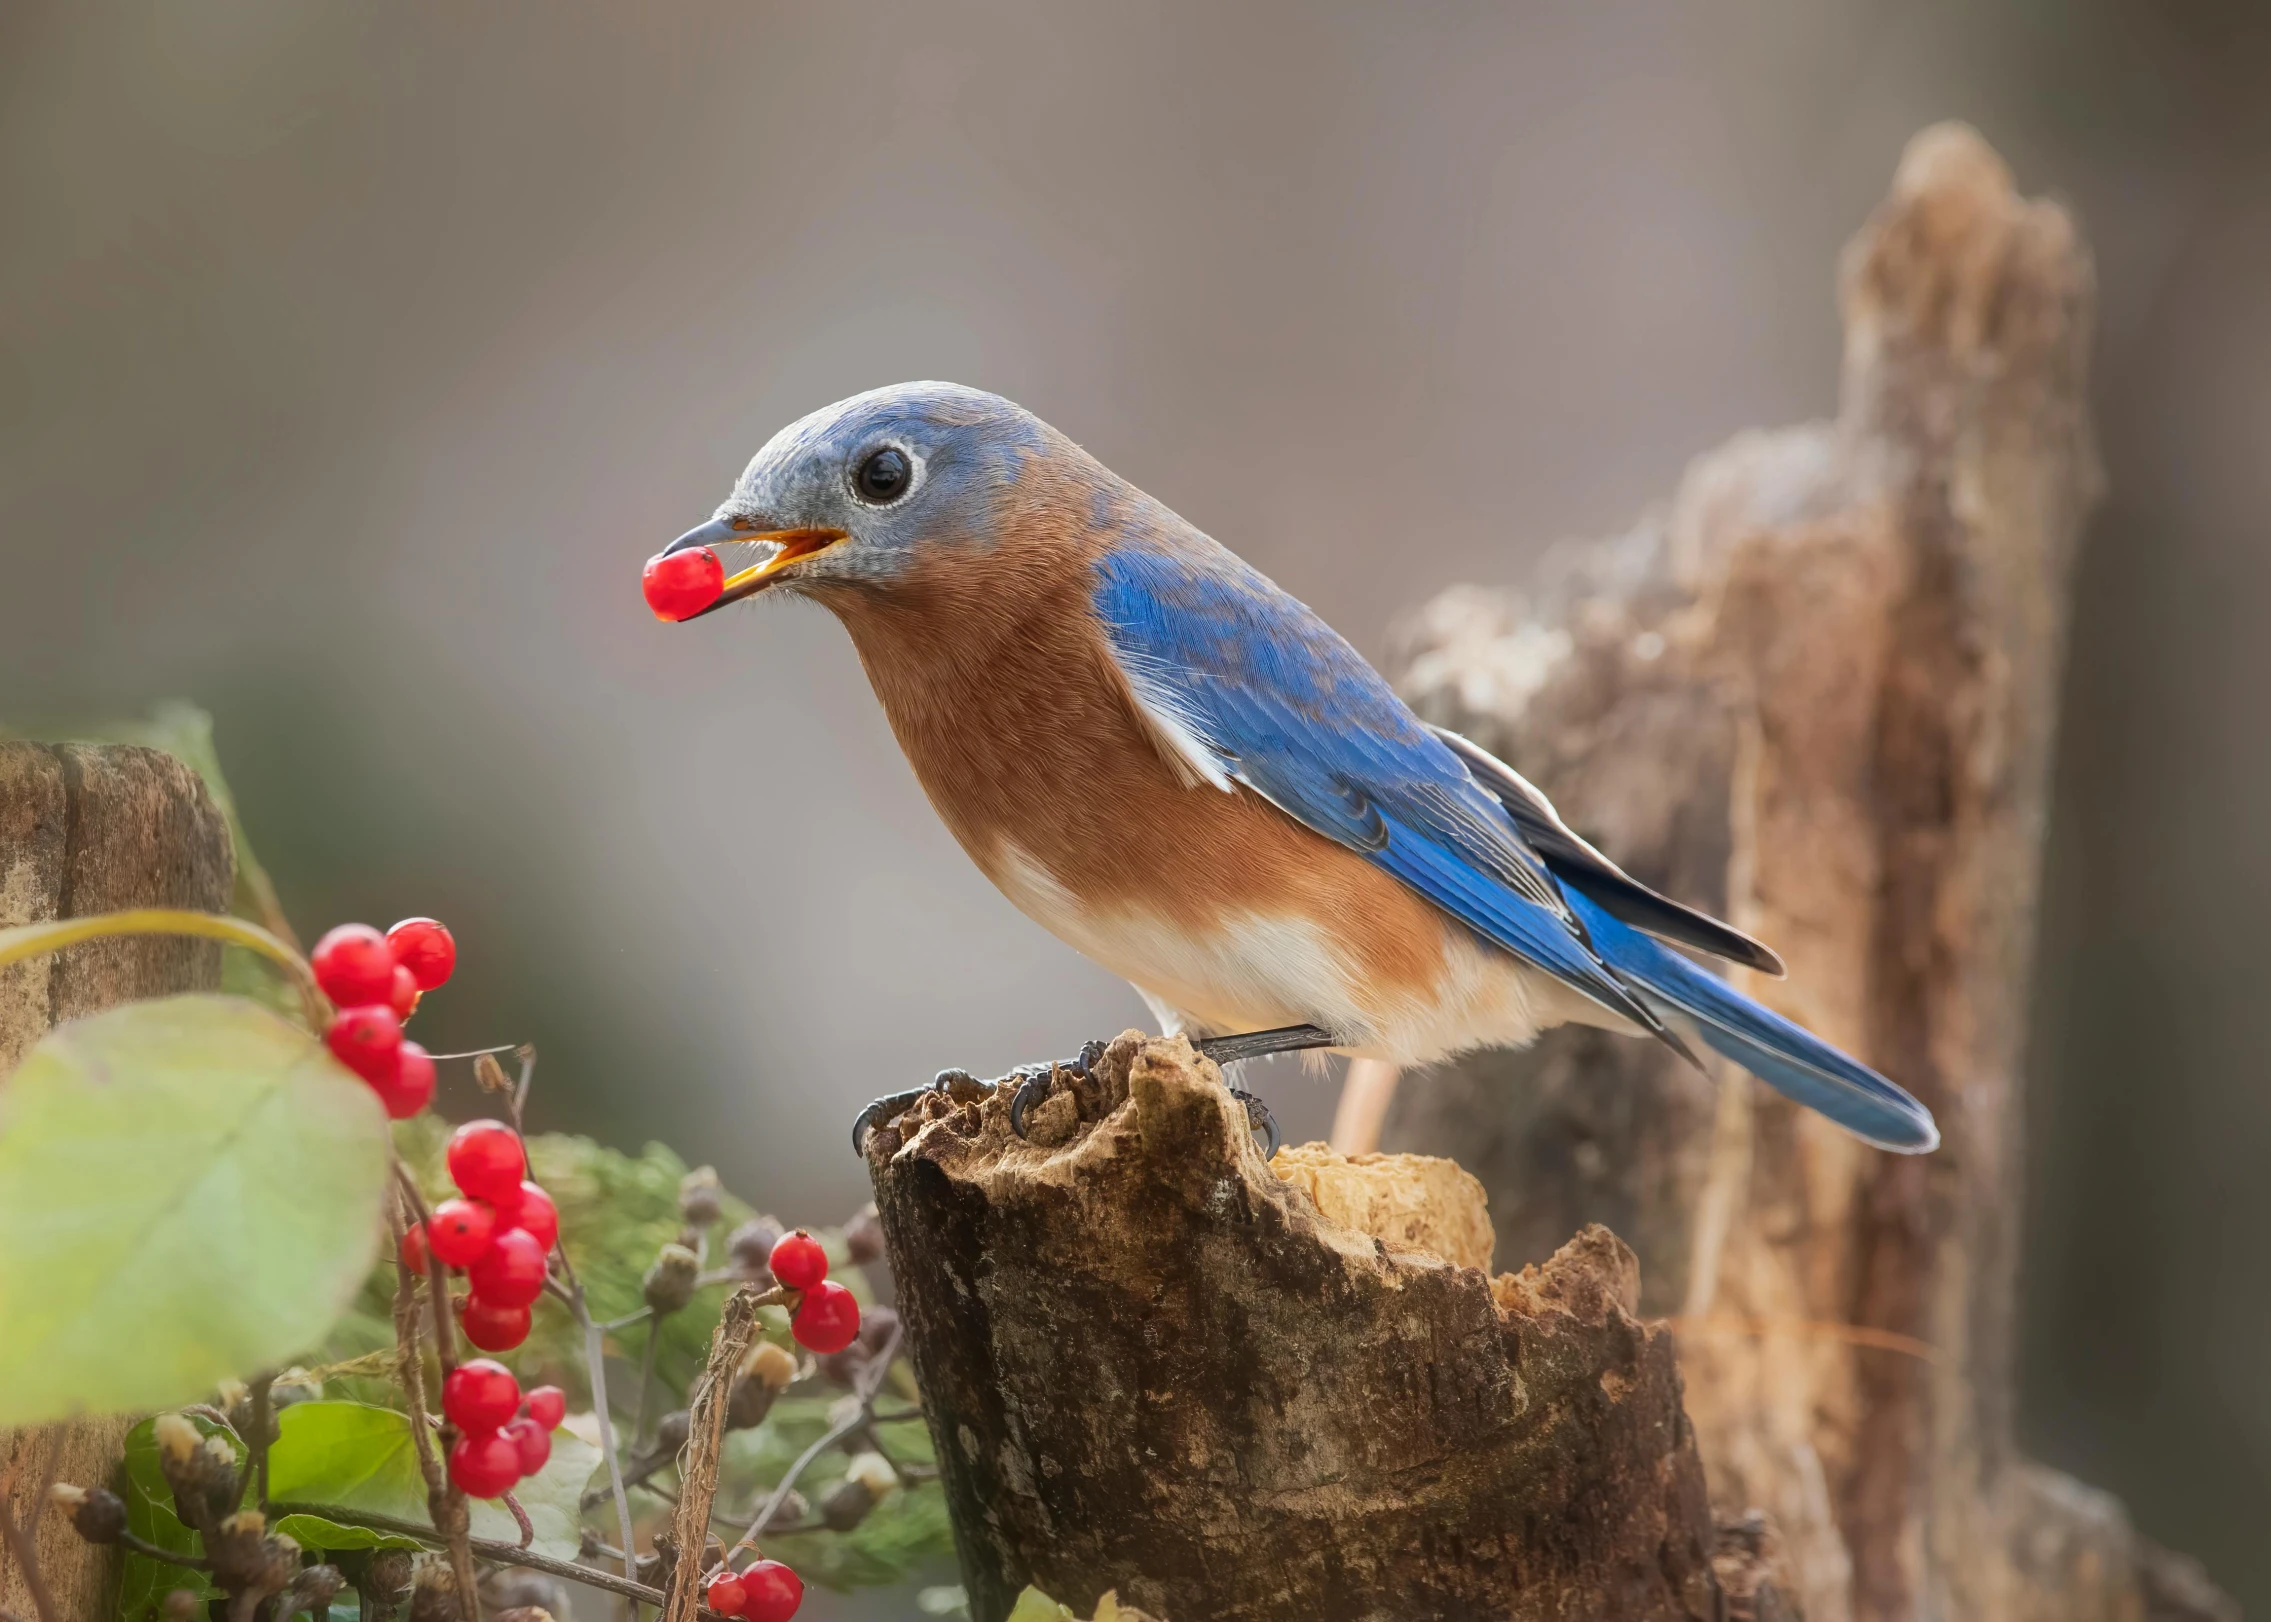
x: 88, y: 829
x: 1153, y: 1365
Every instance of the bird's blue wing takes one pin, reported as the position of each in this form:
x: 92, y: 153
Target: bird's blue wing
x: 1253, y: 688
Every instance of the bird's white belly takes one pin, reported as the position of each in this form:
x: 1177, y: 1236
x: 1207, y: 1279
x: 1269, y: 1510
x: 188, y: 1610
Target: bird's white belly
x: 1252, y: 971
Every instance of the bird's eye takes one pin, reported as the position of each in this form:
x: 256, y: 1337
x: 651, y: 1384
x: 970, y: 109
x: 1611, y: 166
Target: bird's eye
x: 884, y: 474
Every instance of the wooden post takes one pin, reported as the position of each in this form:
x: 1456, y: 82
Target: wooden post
x: 1152, y: 1365
x: 87, y: 829
x: 1816, y: 693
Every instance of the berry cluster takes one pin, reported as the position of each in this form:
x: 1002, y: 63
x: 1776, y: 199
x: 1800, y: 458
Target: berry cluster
x: 499, y: 1230
x: 680, y: 585
x: 827, y: 1318
x: 377, y: 980
x: 503, y: 1436
x: 767, y: 1592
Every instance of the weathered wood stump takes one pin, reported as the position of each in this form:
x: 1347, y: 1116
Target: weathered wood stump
x: 1151, y: 1364
x: 1816, y: 693
x: 86, y: 829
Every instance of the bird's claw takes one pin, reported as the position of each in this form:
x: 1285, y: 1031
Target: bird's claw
x: 892, y: 1105
x: 1033, y: 1081
x: 1258, y: 1119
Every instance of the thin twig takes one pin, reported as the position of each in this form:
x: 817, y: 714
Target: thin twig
x: 255, y: 1471
x: 705, y: 1439
x: 143, y: 1546
x: 646, y: 1384
x: 506, y: 1554
x: 595, y: 1359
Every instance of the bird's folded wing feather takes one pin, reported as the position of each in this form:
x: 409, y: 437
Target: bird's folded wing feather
x: 1244, y: 686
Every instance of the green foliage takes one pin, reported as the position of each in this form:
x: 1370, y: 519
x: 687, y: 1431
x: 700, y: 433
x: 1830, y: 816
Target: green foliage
x: 315, y: 1532
x: 189, y: 1190
x: 353, y: 1456
x: 1035, y: 1606
x: 144, y: 1583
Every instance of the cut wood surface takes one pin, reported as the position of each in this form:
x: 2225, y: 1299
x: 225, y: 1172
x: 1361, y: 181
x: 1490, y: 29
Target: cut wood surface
x: 1152, y: 1364
x: 1816, y: 694
x: 87, y: 829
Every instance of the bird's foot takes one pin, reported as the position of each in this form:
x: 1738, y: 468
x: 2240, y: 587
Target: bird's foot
x: 1259, y: 1120
x: 892, y: 1105
x: 1034, y: 1080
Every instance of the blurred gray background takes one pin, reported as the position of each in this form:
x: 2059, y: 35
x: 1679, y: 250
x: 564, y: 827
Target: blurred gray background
x: 355, y: 357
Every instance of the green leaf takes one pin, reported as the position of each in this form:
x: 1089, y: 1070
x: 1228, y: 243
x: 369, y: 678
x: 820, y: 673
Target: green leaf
x: 315, y: 1532
x: 356, y: 1457
x: 143, y: 1582
x: 189, y: 1190
x: 1035, y: 1606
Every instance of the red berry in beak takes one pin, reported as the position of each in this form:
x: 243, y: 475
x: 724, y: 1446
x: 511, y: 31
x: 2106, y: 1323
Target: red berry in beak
x: 494, y: 1328
x: 354, y: 965
x: 425, y: 948
x: 680, y: 585
x: 828, y: 1319
x: 368, y: 1041
x: 798, y: 1261
x: 485, y: 1160
x: 461, y: 1231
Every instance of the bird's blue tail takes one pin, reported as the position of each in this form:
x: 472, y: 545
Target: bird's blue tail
x: 1786, y: 1057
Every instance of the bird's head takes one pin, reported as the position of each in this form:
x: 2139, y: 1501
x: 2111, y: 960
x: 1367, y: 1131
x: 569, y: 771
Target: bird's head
x: 862, y: 494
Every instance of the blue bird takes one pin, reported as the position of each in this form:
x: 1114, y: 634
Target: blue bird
x: 1185, y: 774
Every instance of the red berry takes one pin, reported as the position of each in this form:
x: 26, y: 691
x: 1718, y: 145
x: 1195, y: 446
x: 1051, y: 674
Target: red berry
x: 412, y: 1250
x: 724, y: 1593
x: 484, y: 1465
x: 486, y: 1161
x: 367, y: 1040
x: 680, y: 585
x: 480, y: 1395
x: 773, y: 1592
x: 411, y: 1087
x: 494, y: 1328
x: 547, y: 1405
x: 402, y: 994
x: 828, y: 1319
x: 354, y: 965
x: 538, y: 1215
x: 461, y: 1231
x: 798, y: 1261
x: 534, y: 1442
x: 511, y: 1271
x: 426, y: 949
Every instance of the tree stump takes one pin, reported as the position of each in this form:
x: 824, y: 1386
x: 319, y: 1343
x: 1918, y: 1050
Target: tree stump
x: 1816, y: 694
x: 87, y: 829
x: 1152, y: 1364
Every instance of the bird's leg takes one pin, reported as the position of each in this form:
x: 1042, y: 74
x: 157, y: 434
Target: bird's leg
x: 1230, y: 1050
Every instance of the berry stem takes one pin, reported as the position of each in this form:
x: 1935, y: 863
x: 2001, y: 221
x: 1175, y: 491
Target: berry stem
x: 31, y: 940
x: 520, y: 1518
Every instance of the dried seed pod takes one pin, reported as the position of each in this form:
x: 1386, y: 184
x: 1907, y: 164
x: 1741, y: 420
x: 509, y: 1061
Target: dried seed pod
x: 863, y: 1237
x: 312, y: 1590
x: 521, y: 1613
x: 246, y: 1558
x: 879, y: 1326
x: 845, y: 1367
x: 670, y: 1281
x: 671, y: 1431
x: 873, y: 1470
x: 751, y: 1243
x: 491, y: 1075
x: 748, y: 1403
x: 510, y: 1591
x: 845, y: 1505
x: 201, y: 1470
x: 385, y: 1582
x: 698, y: 1196
x: 770, y: 1362
x: 433, y: 1593
x: 95, y: 1513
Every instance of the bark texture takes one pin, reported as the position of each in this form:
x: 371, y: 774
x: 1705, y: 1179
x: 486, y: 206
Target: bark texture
x: 87, y: 829
x: 1816, y: 694
x: 1153, y: 1365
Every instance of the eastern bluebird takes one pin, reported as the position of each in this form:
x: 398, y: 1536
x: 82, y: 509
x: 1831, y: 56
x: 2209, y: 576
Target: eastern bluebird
x: 1181, y: 771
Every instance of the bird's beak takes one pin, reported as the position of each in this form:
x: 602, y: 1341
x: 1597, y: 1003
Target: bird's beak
x: 793, y: 545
